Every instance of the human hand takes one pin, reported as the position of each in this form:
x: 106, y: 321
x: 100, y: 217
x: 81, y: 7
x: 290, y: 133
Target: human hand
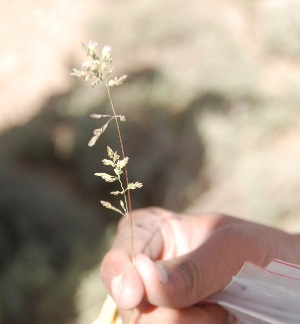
x: 182, y: 259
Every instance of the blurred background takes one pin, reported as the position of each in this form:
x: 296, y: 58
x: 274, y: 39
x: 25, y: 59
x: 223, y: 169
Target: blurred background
x: 212, y: 106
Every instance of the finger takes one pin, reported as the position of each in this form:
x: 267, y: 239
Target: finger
x: 208, y: 314
x: 121, y: 279
x: 146, y: 228
x: 118, y: 274
x: 184, y: 281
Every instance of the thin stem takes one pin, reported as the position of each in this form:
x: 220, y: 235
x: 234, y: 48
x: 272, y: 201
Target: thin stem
x: 129, y: 216
x: 124, y: 194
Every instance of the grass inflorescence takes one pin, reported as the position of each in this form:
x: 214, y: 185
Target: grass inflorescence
x: 99, y: 69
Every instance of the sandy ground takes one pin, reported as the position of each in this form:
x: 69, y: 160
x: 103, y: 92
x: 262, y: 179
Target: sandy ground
x: 37, y: 37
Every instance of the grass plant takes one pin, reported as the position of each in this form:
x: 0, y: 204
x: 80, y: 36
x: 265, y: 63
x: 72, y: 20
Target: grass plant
x: 99, y: 70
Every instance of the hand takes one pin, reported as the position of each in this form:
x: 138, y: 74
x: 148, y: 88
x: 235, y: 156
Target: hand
x: 182, y: 259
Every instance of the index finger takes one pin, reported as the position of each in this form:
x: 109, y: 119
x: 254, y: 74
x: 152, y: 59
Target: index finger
x: 120, y: 277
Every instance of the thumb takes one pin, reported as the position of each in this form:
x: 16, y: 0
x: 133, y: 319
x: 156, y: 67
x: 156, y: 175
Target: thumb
x: 173, y: 283
x: 186, y: 280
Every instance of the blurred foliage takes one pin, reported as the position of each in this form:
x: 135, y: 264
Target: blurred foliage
x: 55, y: 142
x: 42, y: 250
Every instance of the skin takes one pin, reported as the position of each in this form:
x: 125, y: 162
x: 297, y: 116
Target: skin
x: 182, y: 259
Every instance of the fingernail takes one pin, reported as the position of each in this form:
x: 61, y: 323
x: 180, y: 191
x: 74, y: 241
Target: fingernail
x: 116, y: 287
x: 162, y: 273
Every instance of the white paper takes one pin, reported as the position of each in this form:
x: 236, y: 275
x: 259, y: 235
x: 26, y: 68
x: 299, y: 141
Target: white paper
x: 256, y: 295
